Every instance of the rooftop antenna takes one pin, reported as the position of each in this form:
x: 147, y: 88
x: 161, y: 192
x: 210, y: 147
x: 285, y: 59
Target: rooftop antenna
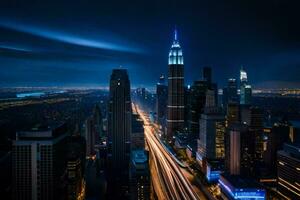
x: 175, y: 34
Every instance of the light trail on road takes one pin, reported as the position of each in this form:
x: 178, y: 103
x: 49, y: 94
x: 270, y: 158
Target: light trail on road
x: 172, y: 183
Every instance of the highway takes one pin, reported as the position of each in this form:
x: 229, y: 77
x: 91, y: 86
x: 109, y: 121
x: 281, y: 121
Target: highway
x: 169, y: 181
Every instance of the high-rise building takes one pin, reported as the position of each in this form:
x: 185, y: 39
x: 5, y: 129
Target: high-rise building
x: 214, y: 87
x: 198, y: 93
x: 119, y: 129
x: 295, y: 131
x: 245, y: 95
x: 137, y: 133
x: 224, y: 99
x: 175, y: 119
x: 239, y: 150
x: 210, y: 144
x: 243, y: 76
x: 39, y: 163
x: 212, y: 130
x: 277, y: 136
x: 211, y: 138
x: 245, y: 114
x: 233, y: 156
x: 256, y: 129
x: 139, y: 175
x: 220, y: 139
x: 161, y: 101
x: 232, y: 91
x: 233, y: 114
x: 90, y: 136
x: 230, y: 95
x: 245, y: 89
x: 288, y: 171
x: 207, y: 75
x: 76, y: 185
x: 76, y: 158
x: 196, y: 103
x: 187, y: 104
x: 98, y: 122
x: 210, y: 100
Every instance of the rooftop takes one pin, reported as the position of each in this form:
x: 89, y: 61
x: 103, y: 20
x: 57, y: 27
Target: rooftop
x: 139, y: 156
x: 43, y: 131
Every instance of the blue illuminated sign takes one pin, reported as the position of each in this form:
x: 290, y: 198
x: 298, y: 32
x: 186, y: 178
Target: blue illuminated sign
x: 255, y: 194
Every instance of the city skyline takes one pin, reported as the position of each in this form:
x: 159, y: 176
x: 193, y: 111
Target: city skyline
x: 140, y: 100
x: 79, y: 46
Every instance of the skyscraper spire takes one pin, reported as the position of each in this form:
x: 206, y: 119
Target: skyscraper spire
x: 175, y: 54
x: 175, y: 34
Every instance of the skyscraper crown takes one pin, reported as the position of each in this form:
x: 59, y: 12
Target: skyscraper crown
x: 175, y: 54
x: 243, y: 75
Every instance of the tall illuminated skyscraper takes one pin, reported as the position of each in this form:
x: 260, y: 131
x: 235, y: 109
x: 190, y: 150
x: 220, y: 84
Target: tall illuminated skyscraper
x: 119, y: 129
x: 243, y: 76
x: 175, y: 118
x: 245, y: 89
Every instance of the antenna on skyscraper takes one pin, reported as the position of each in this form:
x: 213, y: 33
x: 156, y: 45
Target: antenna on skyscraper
x: 175, y: 33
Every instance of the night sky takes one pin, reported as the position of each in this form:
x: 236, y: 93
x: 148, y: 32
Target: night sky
x: 50, y: 43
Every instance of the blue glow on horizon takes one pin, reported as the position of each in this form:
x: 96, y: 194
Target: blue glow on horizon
x: 38, y: 94
x: 31, y: 94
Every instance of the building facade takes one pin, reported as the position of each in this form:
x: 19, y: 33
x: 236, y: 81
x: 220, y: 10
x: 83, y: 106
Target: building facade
x: 239, y: 150
x: 39, y: 163
x: 175, y: 118
x: 161, y: 101
x: 119, y: 130
x: 196, y: 103
x: 211, y: 137
x: 139, y: 175
x: 137, y: 134
x: 90, y: 136
x: 245, y: 89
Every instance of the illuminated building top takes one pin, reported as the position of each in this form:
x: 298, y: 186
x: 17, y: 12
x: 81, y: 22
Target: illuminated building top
x: 243, y: 76
x: 175, y: 54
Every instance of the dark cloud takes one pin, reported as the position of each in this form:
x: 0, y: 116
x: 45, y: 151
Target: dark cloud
x: 58, y: 42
